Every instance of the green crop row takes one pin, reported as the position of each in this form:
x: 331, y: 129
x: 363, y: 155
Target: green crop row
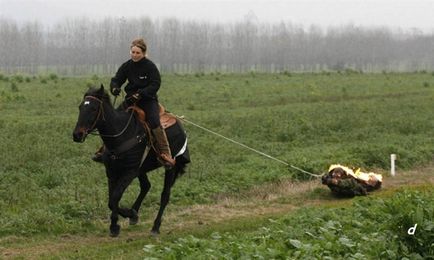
x: 370, y: 229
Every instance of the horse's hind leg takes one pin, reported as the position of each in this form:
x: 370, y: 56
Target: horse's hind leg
x: 116, y: 190
x: 169, y: 180
x: 145, y: 186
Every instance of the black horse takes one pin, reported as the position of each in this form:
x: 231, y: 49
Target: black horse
x: 125, y: 155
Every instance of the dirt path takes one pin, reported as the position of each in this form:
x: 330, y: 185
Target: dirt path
x: 266, y: 201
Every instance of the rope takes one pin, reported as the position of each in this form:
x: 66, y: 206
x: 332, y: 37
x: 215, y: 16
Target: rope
x: 249, y: 148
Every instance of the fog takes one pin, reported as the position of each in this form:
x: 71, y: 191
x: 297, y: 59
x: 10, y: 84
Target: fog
x: 324, y: 13
x: 93, y: 37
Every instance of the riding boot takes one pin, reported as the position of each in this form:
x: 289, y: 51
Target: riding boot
x: 97, y: 157
x: 165, y: 156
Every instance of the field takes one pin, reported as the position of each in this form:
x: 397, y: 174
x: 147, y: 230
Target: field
x: 54, y: 202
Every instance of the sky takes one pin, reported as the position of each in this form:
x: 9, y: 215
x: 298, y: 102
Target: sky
x: 404, y: 14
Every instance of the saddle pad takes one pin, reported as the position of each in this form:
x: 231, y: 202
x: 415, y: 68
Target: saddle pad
x: 166, y: 119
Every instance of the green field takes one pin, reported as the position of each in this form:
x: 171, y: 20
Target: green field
x: 50, y: 188
x: 370, y: 229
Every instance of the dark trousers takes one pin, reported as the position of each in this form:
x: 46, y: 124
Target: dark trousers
x: 151, y: 109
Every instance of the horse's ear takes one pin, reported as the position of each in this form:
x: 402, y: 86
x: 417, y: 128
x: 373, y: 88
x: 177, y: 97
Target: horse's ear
x: 101, y: 90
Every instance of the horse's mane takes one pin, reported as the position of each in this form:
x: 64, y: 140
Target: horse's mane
x: 96, y: 92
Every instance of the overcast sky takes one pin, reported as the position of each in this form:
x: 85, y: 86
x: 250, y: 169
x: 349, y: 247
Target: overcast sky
x: 405, y: 14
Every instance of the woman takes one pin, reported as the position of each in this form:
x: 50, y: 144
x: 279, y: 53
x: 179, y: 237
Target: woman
x: 142, y: 87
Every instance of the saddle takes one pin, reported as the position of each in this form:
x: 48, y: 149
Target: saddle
x: 167, y: 119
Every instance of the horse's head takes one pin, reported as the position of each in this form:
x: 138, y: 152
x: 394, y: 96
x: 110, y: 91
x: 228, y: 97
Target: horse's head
x: 91, y: 111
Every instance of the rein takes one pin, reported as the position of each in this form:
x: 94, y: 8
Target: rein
x: 101, y: 112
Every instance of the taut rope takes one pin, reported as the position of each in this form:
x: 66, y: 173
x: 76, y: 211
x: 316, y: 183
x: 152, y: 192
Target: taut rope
x: 248, y: 147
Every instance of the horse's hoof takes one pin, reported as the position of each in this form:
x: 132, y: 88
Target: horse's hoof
x: 155, y: 233
x: 115, y: 230
x: 135, y: 218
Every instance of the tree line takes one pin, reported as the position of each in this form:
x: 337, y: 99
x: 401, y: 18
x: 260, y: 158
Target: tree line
x: 77, y: 46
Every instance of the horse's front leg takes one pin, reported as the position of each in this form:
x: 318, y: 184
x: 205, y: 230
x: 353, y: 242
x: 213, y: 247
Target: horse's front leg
x: 145, y: 186
x: 117, y: 187
x: 169, y: 180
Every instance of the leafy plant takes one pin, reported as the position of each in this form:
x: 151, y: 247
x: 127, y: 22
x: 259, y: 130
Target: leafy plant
x: 371, y: 228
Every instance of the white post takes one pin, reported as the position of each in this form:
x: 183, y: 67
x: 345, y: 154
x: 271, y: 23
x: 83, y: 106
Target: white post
x: 392, y: 164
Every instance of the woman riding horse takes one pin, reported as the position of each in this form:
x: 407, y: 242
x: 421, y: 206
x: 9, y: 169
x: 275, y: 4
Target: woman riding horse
x: 143, y: 84
x: 127, y: 155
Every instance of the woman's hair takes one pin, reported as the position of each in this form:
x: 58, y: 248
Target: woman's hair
x: 139, y: 43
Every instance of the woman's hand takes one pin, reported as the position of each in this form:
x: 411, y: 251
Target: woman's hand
x: 115, y: 90
x: 133, y: 99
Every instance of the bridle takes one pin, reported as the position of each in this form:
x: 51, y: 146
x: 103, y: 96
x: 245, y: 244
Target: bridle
x: 100, y: 112
x: 92, y: 129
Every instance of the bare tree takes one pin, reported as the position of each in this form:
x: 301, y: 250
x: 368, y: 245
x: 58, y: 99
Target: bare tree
x: 85, y: 46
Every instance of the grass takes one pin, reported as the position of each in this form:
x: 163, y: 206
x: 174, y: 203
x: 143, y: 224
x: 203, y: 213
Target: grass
x: 370, y: 228
x: 50, y: 187
x: 243, y: 213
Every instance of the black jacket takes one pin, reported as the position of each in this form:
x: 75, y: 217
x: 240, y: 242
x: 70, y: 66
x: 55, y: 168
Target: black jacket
x: 143, y: 77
